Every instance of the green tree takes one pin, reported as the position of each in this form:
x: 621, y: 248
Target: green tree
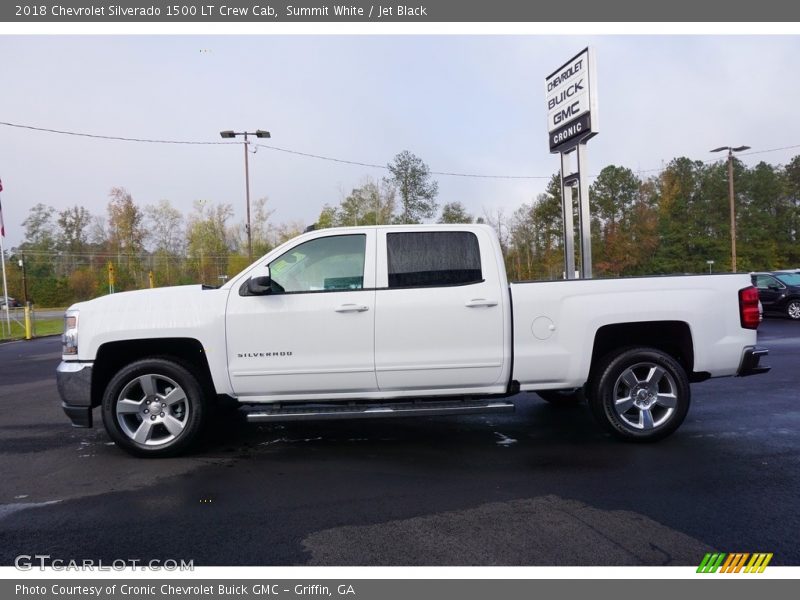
x: 40, y: 229
x: 126, y: 235
x: 760, y: 218
x: 686, y: 219
x: 83, y: 284
x: 613, y: 194
x: 73, y: 235
x: 535, y: 235
x: 369, y: 204
x: 39, y: 245
x: 549, y: 234
x: 522, y: 233
x: 209, y: 240
x: 455, y: 212
x: 415, y: 186
x: 164, y: 224
x: 327, y: 217
x: 261, y: 227
x: 643, y: 232
x: 612, y: 198
x: 166, y: 240
x: 792, y: 220
x: 125, y: 223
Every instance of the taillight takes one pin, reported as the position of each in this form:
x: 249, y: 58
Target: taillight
x: 749, y: 315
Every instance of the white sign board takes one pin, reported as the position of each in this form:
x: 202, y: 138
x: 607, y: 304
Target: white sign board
x: 571, y: 101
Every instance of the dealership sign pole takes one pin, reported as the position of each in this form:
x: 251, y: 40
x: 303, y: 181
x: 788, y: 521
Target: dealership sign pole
x: 572, y: 118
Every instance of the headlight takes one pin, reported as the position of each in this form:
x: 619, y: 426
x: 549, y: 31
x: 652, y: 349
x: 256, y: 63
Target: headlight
x: 69, y: 341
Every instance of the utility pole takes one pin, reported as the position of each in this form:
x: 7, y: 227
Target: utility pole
x: 259, y: 133
x: 247, y: 192
x: 732, y: 211
x: 731, y: 150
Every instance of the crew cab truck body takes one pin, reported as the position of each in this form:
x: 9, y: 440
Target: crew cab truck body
x: 399, y: 320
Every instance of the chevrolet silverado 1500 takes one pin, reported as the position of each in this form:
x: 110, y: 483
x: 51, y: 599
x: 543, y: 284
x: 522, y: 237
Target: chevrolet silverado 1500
x: 399, y: 321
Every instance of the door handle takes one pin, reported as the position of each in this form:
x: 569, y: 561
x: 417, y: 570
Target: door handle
x: 480, y: 302
x: 342, y: 308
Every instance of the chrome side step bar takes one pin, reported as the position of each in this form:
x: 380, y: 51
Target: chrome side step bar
x: 303, y: 412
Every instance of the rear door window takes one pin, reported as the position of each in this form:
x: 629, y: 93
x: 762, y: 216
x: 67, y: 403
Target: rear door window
x: 433, y: 258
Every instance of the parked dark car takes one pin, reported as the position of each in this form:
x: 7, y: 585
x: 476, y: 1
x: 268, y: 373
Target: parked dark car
x: 779, y: 292
x: 12, y: 303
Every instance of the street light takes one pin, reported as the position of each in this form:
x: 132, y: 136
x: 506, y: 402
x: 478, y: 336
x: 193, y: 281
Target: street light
x: 730, y: 195
x: 259, y: 133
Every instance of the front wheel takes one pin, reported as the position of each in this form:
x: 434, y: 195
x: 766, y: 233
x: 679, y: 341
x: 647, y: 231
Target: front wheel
x: 640, y: 394
x: 793, y: 310
x: 154, y: 407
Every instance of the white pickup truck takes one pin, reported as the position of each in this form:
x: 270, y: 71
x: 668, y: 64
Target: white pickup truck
x: 399, y: 321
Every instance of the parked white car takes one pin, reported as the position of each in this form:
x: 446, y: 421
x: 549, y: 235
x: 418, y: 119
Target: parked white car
x: 397, y: 321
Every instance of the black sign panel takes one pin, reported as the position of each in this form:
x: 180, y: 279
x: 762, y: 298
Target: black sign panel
x: 567, y: 136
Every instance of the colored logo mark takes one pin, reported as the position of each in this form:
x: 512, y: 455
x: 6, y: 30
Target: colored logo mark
x: 735, y: 562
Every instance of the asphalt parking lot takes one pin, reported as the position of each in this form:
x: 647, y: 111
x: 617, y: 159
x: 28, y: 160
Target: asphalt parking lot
x: 542, y: 486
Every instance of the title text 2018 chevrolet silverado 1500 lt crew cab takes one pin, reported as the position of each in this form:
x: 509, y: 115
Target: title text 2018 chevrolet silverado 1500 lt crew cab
x: 403, y: 321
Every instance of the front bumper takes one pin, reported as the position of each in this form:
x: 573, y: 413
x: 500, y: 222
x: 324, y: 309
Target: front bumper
x: 750, y: 364
x: 74, y: 381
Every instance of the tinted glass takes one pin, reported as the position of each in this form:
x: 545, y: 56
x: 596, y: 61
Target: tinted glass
x: 329, y: 263
x: 764, y: 281
x: 433, y: 258
x: 790, y: 278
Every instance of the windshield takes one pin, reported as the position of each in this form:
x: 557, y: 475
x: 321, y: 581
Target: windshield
x: 789, y: 278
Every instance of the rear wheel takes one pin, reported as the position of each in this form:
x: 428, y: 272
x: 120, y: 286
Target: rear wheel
x: 640, y: 394
x: 793, y: 310
x: 154, y: 407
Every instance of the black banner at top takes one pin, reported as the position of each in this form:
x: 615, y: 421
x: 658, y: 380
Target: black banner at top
x: 422, y: 11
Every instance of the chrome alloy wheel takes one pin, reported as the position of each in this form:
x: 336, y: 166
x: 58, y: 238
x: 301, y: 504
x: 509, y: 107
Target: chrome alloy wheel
x: 645, y: 396
x: 152, y: 410
x: 793, y: 310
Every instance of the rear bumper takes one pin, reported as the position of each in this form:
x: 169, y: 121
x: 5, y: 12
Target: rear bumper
x: 751, y: 362
x: 74, y: 381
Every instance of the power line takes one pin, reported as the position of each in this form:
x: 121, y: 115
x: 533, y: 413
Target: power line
x: 385, y: 167
x: 113, y: 137
x: 275, y: 148
x: 339, y: 160
x: 320, y: 157
x: 770, y: 150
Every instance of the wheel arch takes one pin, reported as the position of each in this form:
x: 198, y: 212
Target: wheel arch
x: 112, y: 356
x: 671, y: 337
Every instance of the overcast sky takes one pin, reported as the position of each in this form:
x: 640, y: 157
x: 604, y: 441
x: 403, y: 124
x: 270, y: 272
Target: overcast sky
x: 469, y: 104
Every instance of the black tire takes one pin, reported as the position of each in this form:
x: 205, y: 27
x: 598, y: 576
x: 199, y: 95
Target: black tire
x: 177, y: 424
x: 665, y: 395
x: 569, y: 397
x: 793, y: 309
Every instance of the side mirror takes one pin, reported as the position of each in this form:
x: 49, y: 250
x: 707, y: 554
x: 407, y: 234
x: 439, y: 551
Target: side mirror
x: 774, y: 287
x: 259, y: 286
